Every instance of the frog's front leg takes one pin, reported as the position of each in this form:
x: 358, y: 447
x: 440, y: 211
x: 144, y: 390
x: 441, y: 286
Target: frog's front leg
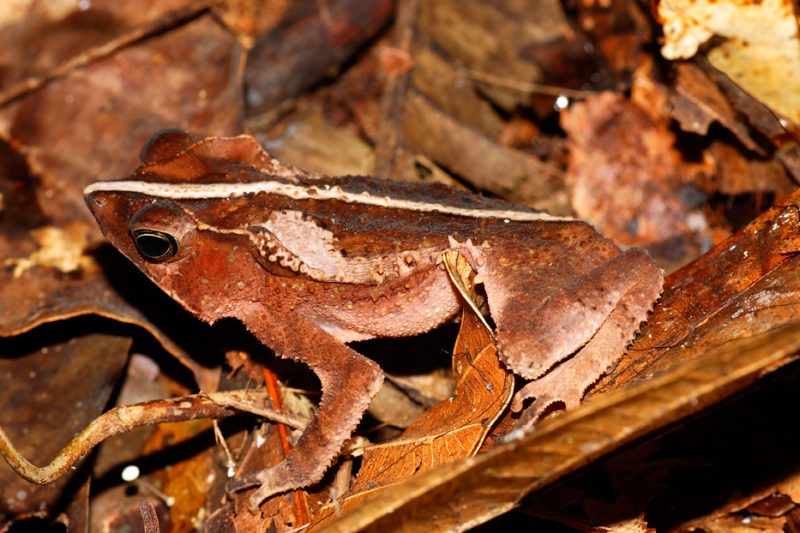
x: 349, y: 381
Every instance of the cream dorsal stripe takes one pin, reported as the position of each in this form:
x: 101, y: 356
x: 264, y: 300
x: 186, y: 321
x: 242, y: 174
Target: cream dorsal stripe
x: 205, y: 191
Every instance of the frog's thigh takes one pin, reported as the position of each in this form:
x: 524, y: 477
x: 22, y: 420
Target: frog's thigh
x: 534, y: 336
x: 569, y: 381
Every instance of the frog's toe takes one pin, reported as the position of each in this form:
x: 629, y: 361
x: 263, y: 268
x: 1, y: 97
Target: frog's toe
x: 544, y: 397
x: 272, y: 481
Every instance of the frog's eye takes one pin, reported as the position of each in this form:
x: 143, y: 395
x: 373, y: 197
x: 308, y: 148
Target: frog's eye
x: 155, y: 245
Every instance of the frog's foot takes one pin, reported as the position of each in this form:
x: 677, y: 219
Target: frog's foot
x: 276, y: 479
x: 281, y: 478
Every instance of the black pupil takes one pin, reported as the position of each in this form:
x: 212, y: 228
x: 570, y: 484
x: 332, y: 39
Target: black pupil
x: 155, y: 244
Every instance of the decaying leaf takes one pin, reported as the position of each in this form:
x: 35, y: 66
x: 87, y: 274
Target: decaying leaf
x: 190, y: 480
x: 770, y: 508
x: 468, y: 31
x: 629, y: 178
x: 59, y: 249
x: 422, y: 119
x: 50, y: 29
x: 295, y: 56
x: 250, y: 19
x: 739, y: 174
x: 311, y: 143
x: 393, y: 406
x: 697, y: 102
x: 278, y: 512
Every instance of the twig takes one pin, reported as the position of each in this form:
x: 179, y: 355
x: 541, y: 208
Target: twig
x: 525, y: 86
x: 125, y: 418
x: 234, y: 402
x: 220, y: 438
x: 301, y: 508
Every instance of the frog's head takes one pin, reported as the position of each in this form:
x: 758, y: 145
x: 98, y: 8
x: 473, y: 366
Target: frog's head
x: 188, y: 240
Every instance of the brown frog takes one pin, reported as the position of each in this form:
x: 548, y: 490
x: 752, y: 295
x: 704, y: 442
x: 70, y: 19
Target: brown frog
x: 309, y: 263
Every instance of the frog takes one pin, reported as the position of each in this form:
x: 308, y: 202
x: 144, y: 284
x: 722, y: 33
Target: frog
x: 311, y: 263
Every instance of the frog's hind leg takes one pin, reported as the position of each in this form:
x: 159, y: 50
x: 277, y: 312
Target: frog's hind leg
x: 568, y: 381
x: 593, y: 320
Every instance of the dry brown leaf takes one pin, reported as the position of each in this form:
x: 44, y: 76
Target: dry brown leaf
x: 739, y: 174
x: 484, y: 163
x: 697, y: 102
x: 452, y: 429
x: 61, y: 33
x: 250, y: 19
x: 60, y: 249
x: 298, y: 55
x: 278, y: 513
x: 127, y: 515
x: 450, y: 88
x: 437, y: 113
x: 312, y: 143
x: 393, y: 406
x: 189, y: 480
x: 468, y: 32
x: 632, y: 525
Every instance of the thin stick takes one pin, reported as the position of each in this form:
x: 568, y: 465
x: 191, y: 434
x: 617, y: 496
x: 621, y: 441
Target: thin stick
x: 527, y: 87
x: 125, y: 418
x: 301, y: 511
